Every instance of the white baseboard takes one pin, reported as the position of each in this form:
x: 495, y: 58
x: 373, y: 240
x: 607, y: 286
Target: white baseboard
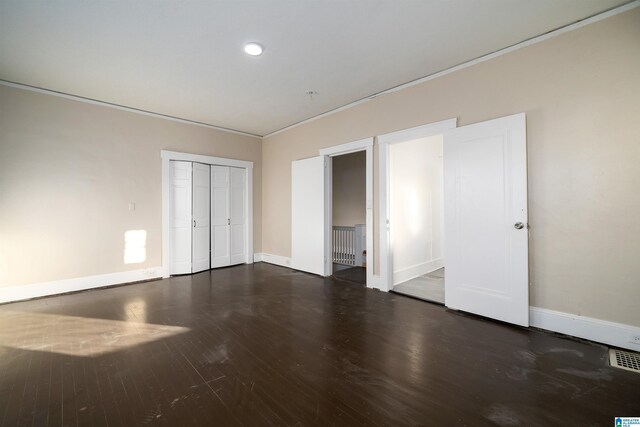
x: 257, y: 257
x: 35, y: 290
x: 379, y: 284
x: 611, y: 333
x: 417, y: 270
x: 275, y: 259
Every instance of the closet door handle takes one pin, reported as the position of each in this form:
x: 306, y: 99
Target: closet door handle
x: 228, y: 221
x: 194, y: 223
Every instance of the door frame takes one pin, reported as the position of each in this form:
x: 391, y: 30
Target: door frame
x: 384, y: 141
x: 365, y: 145
x: 168, y: 156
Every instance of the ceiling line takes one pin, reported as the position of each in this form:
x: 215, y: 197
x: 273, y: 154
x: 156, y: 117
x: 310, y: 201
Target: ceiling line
x: 570, y: 27
x: 122, y: 107
x: 528, y: 42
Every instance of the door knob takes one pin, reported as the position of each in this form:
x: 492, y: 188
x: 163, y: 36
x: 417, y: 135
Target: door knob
x: 518, y: 225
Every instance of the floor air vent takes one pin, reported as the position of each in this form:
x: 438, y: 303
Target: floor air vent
x: 625, y: 360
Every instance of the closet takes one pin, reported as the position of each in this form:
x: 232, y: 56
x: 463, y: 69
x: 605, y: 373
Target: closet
x: 207, y: 216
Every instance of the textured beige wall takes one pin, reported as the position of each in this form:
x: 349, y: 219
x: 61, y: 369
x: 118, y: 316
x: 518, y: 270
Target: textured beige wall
x: 349, y: 189
x: 68, y: 171
x: 581, y: 94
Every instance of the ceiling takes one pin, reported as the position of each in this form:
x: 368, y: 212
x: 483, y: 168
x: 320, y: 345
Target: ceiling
x: 185, y: 59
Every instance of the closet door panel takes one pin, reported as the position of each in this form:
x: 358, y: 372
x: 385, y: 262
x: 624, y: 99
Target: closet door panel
x: 201, y: 217
x: 220, y: 229
x: 180, y: 213
x: 238, y: 239
x: 238, y: 214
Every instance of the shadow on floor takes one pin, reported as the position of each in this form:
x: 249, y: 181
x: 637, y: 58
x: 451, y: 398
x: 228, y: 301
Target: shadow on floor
x: 353, y: 274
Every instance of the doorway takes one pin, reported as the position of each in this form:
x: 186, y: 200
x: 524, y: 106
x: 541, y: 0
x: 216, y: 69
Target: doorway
x: 417, y: 212
x: 485, y: 216
x: 312, y: 211
x: 348, y: 217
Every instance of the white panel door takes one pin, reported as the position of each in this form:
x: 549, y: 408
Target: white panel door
x: 308, y: 215
x: 237, y: 214
x: 200, y: 256
x: 220, y: 219
x: 180, y: 216
x: 486, y: 236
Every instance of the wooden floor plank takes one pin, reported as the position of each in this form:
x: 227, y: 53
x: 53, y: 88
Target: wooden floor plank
x: 265, y: 345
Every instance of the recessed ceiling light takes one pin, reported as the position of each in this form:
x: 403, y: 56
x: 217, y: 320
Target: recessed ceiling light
x: 253, y: 49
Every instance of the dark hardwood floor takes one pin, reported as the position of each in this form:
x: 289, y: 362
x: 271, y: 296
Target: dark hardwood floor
x: 264, y: 345
x: 352, y: 274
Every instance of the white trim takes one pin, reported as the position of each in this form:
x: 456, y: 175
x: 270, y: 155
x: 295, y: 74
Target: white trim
x: 386, y: 246
x: 122, y: 107
x: 257, y: 257
x: 36, y: 290
x: 369, y: 223
x: 417, y: 270
x: 602, y: 331
x: 470, y: 63
x: 218, y: 161
x: 379, y: 284
x: 276, y: 259
x: 365, y: 145
x: 517, y: 46
x: 349, y: 147
x: 166, y: 157
x: 423, y: 131
x: 249, y: 214
x: 328, y: 215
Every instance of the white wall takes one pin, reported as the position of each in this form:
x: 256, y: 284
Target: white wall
x: 349, y: 189
x: 417, y: 207
x: 68, y: 172
x: 580, y: 93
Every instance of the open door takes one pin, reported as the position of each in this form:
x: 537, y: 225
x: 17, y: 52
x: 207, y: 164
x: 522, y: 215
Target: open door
x: 486, y: 232
x: 308, y: 215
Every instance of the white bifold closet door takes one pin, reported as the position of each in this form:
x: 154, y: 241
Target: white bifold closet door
x: 180, y: 214
x: 237, y: 214
x: 220, y: 255
x: 190, y: 217
x: 228, y: 216
x: 201, y: 218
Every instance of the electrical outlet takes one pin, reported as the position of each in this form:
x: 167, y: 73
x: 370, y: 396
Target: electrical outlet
x: 635, y: 339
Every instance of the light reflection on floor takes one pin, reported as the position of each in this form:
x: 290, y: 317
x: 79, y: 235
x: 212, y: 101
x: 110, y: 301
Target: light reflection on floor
x: 77, y: 336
